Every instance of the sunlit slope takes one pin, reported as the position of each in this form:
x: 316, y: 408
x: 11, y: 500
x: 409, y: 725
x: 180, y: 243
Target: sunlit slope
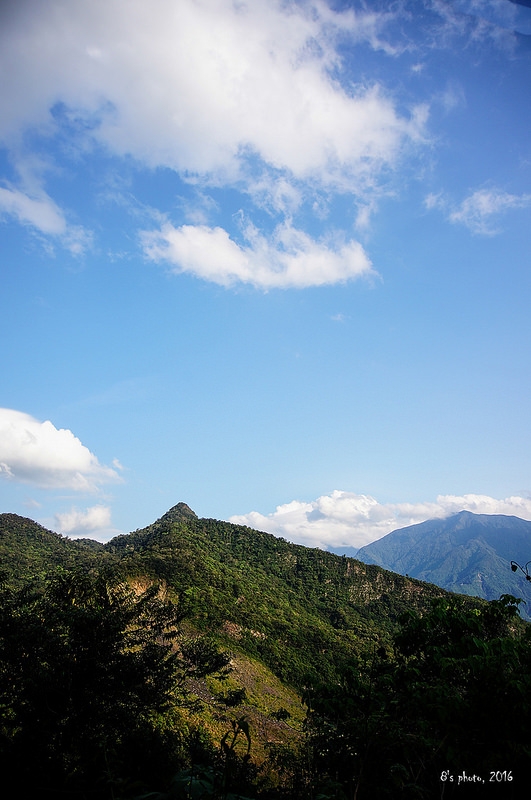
x: 300, y: 611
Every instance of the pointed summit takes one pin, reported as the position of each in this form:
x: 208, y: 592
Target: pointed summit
x: 180, y: 511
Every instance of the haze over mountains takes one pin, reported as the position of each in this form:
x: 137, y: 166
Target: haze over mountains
x: 465, y: 553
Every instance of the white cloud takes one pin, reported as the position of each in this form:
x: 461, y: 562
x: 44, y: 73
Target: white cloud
x: 247, y: 95
x: 39, y: 453
x: 511, y: 16
x: 93, y: 521
x: 345, y: 519
x: 200, y: 86
x: 364, y: 215
x: 40, y: 212
x: 433, y: 200
x: 277, y: 195
x: 289, y: 258
x: 480, y: 209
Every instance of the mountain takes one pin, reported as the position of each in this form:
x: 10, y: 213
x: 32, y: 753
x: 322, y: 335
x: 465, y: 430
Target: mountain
x: 288, y: 615
x: 465, y: 553
x: 298, y: 610
x: 210, y: 639
x: 27, y: 550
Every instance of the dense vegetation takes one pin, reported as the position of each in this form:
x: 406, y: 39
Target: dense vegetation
x: 92, y: 682
x: 167, y: 664
x: 446, y: 711
x: 302, y: 611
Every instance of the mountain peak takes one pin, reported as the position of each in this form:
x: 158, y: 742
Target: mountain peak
x: 180, y: 511
x: 465, y: 553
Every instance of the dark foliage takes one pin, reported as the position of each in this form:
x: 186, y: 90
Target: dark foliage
x: 452, y: 698
x: 301, y: 611
x: 89, y: 683
x: 404, y: 682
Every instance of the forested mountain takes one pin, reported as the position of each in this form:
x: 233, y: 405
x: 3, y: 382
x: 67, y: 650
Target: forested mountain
x: 301, y: 610
x: 27, y: 550
x: 200, y: 659
x: 465, y: 553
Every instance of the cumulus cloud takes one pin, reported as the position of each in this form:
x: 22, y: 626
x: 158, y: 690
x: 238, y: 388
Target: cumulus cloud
x: 289, y: 258
x: 40, y: 454
x: 196, y: 86
x: 345, y: 519
x: 224, y: 93
x: 94, y: 522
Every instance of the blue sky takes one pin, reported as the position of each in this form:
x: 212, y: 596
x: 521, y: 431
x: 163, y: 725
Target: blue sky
x: 270, y: 259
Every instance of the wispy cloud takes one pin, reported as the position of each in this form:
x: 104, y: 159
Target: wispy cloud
x: 512, y: 15
x: 345, y: 519
x: 42, y: 213
x: 481, y: 210
x: 40, y: 454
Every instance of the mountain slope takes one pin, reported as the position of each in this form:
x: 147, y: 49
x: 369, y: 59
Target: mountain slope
x: 27, y: 550
x: 287, y: 617
x: 465, y: 553
x: 301, y: 611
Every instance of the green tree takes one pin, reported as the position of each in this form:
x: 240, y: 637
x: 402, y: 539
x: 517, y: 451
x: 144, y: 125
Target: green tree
x: 452, y: 698
x: 91, y: 677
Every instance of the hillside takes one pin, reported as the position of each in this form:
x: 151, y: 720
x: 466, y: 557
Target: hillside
x: 287, y: 614
x: 27, y: 550
x: 301, y: 611
x: 197, y: 658
x: 465, y: 553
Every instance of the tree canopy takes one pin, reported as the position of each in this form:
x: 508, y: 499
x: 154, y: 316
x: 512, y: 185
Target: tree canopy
x: 91, y: 679
x: 449, y: 701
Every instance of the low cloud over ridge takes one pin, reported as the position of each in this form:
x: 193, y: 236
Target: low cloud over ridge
x: 345, y: 519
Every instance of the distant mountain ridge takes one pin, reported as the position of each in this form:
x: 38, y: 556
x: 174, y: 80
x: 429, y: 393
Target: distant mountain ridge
x: 465, y: 553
